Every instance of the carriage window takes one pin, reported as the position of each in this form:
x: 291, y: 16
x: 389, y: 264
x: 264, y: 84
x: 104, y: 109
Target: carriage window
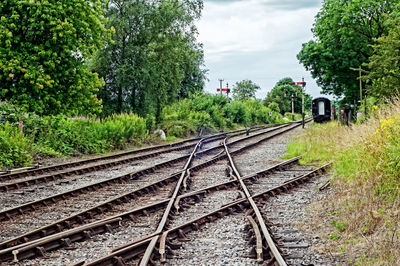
x: 321, y: 108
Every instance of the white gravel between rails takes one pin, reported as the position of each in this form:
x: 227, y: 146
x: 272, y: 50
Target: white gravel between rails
x: 208, y: 203
x: 275, y: 179
x: 212, y: 175
x: 266, y: 154
x: 100, y: 245
x: 286, y: 213
x: 63, y: 209
x: 219, y: 243
x: 15, y: 198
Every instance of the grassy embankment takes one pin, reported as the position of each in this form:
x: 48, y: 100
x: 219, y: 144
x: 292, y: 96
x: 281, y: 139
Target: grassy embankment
x: 363, y: 212
x: 26, y: 136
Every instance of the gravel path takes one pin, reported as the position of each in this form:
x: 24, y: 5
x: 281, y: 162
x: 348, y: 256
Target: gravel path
x: 266, y: 154
x: 210, y: 202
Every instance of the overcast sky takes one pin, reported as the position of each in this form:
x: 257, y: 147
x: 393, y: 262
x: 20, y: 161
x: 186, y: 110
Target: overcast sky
x: 256, y: 40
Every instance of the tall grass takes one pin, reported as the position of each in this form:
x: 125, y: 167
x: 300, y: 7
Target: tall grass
x: 62, y: 135
x: 81, y: 135
x: 366, y: 165
x: 15, y: 148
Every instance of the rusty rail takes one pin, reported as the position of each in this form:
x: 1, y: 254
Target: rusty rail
x: 80, y: 218
x: 31, y: 206
x: 275, y: 252
x: 56, y: 227
x: 47, y: 178
x: 8, y: 175
x: 136, y: 248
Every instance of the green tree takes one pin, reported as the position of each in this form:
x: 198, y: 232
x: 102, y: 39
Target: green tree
x: 344, y: 32
x: 384, y: 64
x: 154, y: 57
x: 245, y: 89
x: 274, y: 107
x: 282, y: 95
x: 44, y: 50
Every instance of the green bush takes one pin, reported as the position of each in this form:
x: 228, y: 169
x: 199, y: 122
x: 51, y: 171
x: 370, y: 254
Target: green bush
x: 214, y: 112
x: 15, y: 148
x: 81, y: 135
x: 63, y: 135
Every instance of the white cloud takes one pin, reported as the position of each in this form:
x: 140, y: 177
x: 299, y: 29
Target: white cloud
x: 256, y: 39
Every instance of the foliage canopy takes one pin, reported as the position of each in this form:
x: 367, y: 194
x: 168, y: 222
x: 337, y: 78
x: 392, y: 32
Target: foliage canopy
x: 344, y: 32
x: 245, y: 89
x: 282, y: 95
x: 384, y: 64
x: 154, y: 57
x: 44, y: 47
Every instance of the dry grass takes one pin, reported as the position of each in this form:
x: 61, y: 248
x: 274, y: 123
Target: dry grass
x: 361, y: 218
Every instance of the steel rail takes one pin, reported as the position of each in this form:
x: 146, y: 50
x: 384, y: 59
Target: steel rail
x: 47, y: 178
x: 31, y: 206
x: 29, y: 250
x: 278, y: 257
x: 57, y: 167
x: 79, y: 218
x: 167, y: 213
x: 150, y: 249
x: 136, y: 248
x: 51, y: 177
x: 6, y: 175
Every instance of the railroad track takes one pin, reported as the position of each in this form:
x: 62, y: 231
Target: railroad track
x: 20, y: 248
x: 35, y: 176
x: 61, y: 199
x: 33, y: 191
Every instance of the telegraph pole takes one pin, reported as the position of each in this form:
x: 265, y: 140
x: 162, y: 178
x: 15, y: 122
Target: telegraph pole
x: 220, y: 85
x: 360, y: 70
x: 302, y: 99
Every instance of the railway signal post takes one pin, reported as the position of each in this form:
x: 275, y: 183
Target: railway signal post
x: 227, y: 90
x: 303, y: 85
x: 220, y: 85
x: 292, y: 107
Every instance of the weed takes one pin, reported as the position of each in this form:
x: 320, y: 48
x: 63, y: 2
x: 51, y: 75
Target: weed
x: 334, y: 236
x: 366, y: 170
x: 339, y: 225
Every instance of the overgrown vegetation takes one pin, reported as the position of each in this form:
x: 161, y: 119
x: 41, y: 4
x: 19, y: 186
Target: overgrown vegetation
x: 365, y: 207
x: 282, y: 95
x: 214, y: 112
x: 26, y: 135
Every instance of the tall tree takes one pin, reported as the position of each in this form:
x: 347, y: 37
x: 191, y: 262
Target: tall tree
x: 154, y: 57
x: 245, y: 89
x: 282, y: 94
x: 343, y: 31
x: 384, y: 64
x: 44, y: 48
